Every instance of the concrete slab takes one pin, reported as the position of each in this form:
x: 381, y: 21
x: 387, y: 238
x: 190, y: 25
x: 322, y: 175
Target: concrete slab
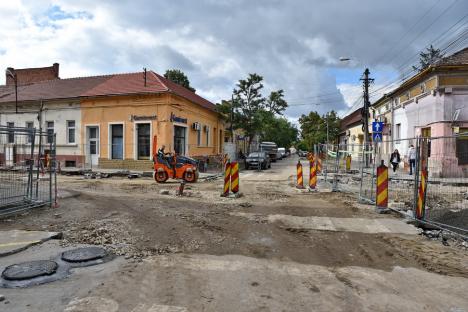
x: 361, y: 225
x: 17, y: 240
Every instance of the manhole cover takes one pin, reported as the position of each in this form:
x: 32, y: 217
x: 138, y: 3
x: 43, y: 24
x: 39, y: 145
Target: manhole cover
x: 28, y: 270
x: 84, y: 254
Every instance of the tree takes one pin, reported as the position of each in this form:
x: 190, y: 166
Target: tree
x: 428, y: 58
x: 248, y: 104
x: 276, y: 103
x: 178, y: 76
x: 314, y: 128
x: 279, y: 130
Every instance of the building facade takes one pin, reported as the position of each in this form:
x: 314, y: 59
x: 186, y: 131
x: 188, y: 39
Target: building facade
x: 432, y: 104
x: 115, y: 121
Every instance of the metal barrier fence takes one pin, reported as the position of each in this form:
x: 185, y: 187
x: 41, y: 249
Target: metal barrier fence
x: 27, y: 169
x: 446, y: 161
x: 352, y: 168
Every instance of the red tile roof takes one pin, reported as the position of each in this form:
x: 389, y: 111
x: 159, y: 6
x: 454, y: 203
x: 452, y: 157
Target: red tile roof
x: 117, y: 84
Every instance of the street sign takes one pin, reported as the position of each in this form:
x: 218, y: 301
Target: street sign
x: 377, y: 126
x: 377, y: 137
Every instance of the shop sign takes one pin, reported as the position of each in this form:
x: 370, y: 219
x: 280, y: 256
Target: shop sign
x: 175, y: 118
x: 139, y: 118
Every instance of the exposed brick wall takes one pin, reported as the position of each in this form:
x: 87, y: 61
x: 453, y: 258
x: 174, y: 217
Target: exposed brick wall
x: 126, y: 164
x: 31, y: 75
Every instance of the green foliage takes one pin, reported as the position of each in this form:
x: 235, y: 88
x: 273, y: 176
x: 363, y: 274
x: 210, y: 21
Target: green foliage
x: 256, y: 114
x: 278, y: 129
x: 178, y: 76
x: 428, y: 58
x: 276, y: 103
x: 314, y: 128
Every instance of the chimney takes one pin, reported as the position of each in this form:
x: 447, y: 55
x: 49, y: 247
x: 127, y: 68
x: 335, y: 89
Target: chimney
x: 56, y: 69
x: 8, y: 78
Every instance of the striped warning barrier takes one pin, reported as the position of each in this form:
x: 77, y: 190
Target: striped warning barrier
x: 421, y: 204
x: 300, y: 181
x: 235, y: 177
x: 382, y: 187
x: 348, y: 163
x: 227, y: 179
x: 313, y: 175
x: 319, y: 165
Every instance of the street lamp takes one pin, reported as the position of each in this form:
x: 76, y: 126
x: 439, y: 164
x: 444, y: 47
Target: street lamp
x: 13, y: 75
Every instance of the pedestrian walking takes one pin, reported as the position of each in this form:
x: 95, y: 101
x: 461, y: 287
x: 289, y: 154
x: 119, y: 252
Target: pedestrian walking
x: 412, y: 158
x: 395, y: 159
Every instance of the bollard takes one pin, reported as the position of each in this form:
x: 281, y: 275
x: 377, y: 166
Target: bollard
x: 300, y: 182
x: 313, y: 175
x: 235, y: 177
x: 381, y: 202
x: 348, y: 163
x: 421, y: 206
x: 227, y: 179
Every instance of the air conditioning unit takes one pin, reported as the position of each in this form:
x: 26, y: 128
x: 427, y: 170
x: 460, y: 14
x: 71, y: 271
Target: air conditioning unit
x: 196, y: 126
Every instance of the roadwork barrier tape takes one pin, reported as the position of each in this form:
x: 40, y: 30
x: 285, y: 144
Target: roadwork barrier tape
x: 313, y: 174
x: 421, y: 204
x: 382, y: 187
x: 227, y: 179
x: 300, y: 181
x: 235, y: 177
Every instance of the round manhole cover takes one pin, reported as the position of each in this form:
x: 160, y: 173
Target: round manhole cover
x: 84, y: 254
x: 28, y: 270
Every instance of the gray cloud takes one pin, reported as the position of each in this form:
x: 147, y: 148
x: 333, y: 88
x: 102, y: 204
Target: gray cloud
x: 293, y: 44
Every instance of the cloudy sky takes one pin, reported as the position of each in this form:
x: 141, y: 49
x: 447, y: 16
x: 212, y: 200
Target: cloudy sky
x: 295, y: 45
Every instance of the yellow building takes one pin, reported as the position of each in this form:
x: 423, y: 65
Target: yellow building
x: 123, y: 117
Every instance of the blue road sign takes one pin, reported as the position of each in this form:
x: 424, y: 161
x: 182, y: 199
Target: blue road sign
x: 377, y: 126
x: 377, y: 137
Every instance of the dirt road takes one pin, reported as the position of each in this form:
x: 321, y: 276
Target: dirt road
x: 273, y: 249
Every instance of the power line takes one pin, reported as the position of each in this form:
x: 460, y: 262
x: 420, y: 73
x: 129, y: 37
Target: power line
x: 425, y: 29
x: 407, y: 32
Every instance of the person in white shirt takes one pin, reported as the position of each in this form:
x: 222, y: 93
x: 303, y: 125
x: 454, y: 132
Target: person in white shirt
x: 412, y: 158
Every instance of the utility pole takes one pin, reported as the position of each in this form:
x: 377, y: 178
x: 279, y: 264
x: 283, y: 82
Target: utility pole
x: 231, y: 117
x: 365, y: 112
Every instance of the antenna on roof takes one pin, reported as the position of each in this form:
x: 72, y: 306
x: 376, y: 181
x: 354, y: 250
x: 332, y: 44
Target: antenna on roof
x: 144, y: 74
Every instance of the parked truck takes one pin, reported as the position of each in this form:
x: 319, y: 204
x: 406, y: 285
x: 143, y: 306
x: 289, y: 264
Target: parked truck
x: 270, y: 148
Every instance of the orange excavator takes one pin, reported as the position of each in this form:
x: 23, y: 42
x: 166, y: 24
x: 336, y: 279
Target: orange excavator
x: 173, y: 166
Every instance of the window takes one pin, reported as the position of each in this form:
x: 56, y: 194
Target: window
x: 143, y: 141
x: 398, y: 131
x: 117, y: 141
x: 11, y: 133
x: 70, y: 163
x: 179, y: 140
x: 50, y: 132
x: 199, y: 137
x: 30, y: 125
x: 207, y: 133
x: 462, y: 147
x: 70, y: 131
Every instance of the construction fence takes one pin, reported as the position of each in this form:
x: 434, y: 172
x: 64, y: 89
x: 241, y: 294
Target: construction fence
x: 441, y: 162
x: 27, y: 169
